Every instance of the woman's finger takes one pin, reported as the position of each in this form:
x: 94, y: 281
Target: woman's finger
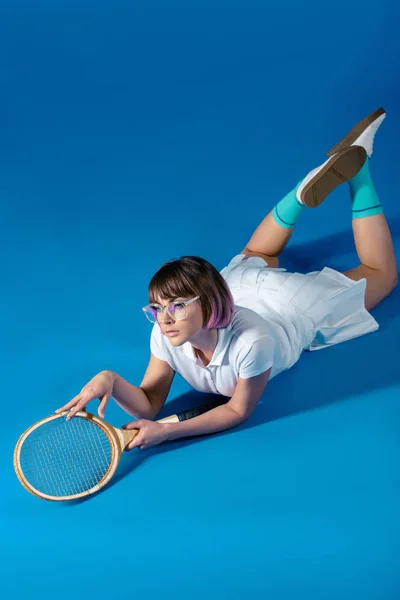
x: 69, y: 404
x: 80, y: 406
x: 102, y: 406
x: 138, y: 441
x: 133, y: 424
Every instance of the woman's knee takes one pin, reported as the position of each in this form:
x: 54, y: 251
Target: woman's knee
x: 273, y: 261
x: 388, y: 280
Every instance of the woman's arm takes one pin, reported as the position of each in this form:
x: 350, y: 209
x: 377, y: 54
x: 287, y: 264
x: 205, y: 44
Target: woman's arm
x: 243, y: 402
x: 145, y: 401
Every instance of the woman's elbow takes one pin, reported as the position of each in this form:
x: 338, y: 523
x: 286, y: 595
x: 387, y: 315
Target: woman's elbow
x: 240, y: 415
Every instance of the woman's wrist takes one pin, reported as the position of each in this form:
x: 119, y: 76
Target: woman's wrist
x: 171, y: 431
x: 111, y: 375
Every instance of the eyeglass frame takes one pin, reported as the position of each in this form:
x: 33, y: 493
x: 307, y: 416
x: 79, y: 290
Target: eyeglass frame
x: 185, y: 303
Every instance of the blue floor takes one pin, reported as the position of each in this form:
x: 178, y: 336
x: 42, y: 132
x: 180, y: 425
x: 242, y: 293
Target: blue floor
x: 131, y: 135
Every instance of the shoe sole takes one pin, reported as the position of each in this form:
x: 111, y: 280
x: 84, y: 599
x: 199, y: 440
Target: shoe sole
x: 338, y: 169
x: 355, y: 132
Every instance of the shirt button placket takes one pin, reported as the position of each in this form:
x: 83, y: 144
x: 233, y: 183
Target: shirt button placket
x: 211, y: 378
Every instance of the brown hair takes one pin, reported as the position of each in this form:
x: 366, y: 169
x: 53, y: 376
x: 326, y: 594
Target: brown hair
x: 189, y: 276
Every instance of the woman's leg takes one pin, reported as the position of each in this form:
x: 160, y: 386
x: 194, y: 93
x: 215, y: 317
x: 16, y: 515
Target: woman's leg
x: 268, y: 240
x: 371, y: 235
x: 371, y: 232
x: 274, y: 232
x: 373, y: 241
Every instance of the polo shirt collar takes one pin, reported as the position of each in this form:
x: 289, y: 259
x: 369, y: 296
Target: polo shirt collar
x: 224, y: 337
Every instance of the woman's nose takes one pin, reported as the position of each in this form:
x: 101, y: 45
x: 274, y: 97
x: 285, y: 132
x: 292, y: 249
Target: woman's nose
x: 166, y: 317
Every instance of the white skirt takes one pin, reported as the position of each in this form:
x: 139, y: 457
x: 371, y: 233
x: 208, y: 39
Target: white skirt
x: 329, y: 306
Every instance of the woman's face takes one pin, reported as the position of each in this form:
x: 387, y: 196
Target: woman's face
x: 180, y: 331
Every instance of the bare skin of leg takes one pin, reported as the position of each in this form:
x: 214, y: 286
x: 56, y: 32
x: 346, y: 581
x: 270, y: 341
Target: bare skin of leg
x: 268, y: 241
x: 378, y: 262
x: 373, y: 244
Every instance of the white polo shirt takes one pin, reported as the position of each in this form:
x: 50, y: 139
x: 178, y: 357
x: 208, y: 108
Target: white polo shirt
x: 245, y: 348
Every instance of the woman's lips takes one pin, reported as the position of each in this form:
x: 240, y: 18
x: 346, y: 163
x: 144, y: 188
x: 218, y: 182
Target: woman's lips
x: 171, y: 333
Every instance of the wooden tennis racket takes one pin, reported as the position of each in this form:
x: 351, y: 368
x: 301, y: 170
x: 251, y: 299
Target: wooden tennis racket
x: 56, y: 459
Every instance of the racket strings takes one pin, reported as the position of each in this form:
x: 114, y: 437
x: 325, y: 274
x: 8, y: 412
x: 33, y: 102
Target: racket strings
x: 63, y: 458
x: 66, y: 464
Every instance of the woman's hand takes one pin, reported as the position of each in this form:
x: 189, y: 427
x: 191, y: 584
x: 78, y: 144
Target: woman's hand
x: 150, y: 433
x: 101, y: 387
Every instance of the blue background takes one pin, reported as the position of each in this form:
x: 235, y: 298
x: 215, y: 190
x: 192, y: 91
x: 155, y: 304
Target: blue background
x: 135, y: 132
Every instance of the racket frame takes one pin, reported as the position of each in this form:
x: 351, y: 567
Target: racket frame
x: 118, y: 439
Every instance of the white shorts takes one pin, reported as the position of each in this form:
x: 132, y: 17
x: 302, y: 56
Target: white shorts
x: 332, y: 304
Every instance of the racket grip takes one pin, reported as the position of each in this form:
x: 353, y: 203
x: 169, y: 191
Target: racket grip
x: 199, y: 410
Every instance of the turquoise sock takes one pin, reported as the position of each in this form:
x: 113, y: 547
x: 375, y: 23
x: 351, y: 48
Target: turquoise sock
x: 365, y: 201
x: 287, y: 212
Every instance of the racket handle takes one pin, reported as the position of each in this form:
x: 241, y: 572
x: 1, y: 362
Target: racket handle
x: 199, y: 410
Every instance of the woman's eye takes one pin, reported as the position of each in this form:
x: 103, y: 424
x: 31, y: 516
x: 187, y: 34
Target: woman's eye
x: 178, y: 305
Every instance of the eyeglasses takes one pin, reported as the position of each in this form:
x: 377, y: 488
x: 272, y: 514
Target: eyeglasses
x: 176, y: 310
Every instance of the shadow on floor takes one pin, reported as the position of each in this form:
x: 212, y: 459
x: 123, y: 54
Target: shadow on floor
x: 328, y: 251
